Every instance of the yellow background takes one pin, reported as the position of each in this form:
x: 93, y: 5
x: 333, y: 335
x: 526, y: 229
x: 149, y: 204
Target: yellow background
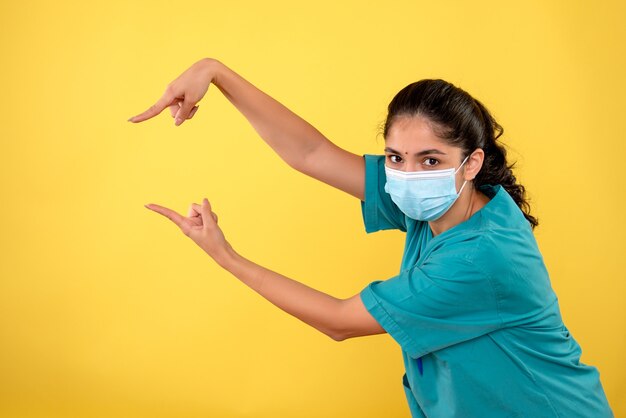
x: 108, y: 310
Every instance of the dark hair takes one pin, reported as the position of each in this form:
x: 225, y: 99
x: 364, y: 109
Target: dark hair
x: 462, y: 121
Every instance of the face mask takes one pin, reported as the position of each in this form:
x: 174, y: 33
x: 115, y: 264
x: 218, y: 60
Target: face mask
x: 423, y: 195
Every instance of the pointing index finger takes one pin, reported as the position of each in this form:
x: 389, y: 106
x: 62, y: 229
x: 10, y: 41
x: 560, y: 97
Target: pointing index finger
x: 153, y: 110
x: 168, y: 213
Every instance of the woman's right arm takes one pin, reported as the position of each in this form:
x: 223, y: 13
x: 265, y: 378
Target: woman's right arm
x: 296, y: 141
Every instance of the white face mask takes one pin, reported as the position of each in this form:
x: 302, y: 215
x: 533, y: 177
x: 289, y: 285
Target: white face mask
x: 423, y: 195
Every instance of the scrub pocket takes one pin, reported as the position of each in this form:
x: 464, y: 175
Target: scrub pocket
x: 416, y: 411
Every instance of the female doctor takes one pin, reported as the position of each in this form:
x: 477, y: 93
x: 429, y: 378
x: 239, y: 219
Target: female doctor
x: 472, y: 307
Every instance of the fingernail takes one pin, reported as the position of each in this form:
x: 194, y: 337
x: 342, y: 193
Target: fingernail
x: 178, y: 121
x: 130, y: 119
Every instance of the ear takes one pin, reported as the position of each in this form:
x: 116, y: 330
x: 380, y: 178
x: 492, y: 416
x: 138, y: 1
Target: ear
x: 473, y: 164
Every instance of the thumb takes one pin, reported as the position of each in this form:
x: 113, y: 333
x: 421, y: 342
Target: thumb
x: 184, y: 112
x: 208, y: 217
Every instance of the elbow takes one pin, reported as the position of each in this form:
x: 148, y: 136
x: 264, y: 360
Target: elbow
x: 344, y: 325
x: 338, y: 335
x: 340, y: 328
x: 295, y: 164
x: 306, y: 162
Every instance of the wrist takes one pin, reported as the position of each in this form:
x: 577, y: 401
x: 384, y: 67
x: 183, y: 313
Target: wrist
x: 227, y: 258
x: 213, y: 68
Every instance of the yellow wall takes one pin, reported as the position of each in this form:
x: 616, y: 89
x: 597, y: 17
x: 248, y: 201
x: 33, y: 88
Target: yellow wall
x: 107, y: 309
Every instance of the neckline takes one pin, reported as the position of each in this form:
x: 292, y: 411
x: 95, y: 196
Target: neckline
x: 491, y: 191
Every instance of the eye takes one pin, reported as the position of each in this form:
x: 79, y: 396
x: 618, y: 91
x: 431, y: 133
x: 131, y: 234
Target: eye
x: 430, y: 162
x: 391, y: 158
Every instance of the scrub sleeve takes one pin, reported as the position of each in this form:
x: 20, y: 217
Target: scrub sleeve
x: 378, y: 210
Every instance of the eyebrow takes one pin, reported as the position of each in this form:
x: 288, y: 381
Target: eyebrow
x: 418, y: 154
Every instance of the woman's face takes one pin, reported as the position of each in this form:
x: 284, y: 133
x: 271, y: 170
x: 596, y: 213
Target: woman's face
x: 411, y: 145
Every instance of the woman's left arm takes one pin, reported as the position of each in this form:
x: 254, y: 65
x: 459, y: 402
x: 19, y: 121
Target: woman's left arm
x: 338, y: 318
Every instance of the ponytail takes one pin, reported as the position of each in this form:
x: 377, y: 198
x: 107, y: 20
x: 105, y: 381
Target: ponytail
x: 495, y: 169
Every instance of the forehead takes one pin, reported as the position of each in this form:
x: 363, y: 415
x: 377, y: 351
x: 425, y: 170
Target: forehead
x: 412, y: 134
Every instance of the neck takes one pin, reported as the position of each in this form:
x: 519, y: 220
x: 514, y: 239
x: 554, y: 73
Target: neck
x: 469, y: 202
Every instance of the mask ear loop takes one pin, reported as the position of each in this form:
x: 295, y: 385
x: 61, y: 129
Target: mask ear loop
x: 459, y: 193
x: 461, y: 164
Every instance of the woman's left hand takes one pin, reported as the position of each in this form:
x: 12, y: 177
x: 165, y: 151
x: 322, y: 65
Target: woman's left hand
x: 201, y: 226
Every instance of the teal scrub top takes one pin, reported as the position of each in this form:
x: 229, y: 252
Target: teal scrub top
x: 476, y: 317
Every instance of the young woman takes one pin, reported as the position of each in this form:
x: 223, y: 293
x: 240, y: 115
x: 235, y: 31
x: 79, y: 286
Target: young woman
x: 472, y: 307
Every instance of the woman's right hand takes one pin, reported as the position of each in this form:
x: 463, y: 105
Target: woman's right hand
x: 182, y: 94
